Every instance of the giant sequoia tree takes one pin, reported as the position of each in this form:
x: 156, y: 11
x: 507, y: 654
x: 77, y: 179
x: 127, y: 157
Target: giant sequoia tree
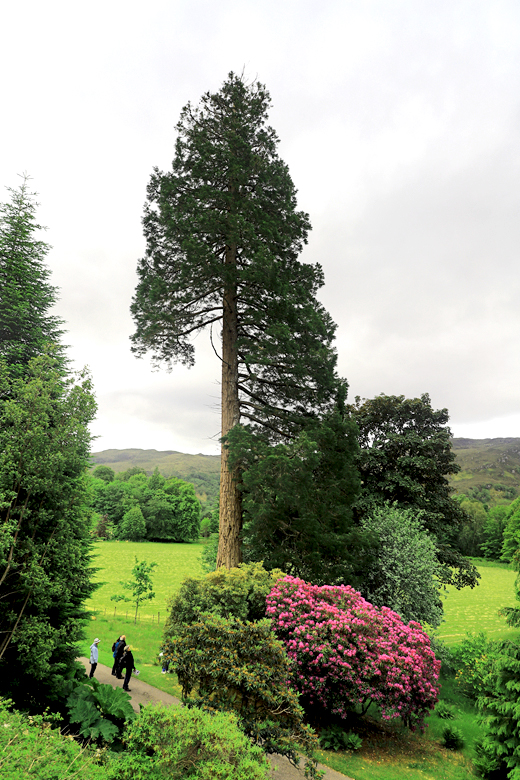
x: 223, y: 237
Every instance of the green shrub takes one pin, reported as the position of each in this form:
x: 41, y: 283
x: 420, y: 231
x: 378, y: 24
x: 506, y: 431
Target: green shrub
x: 240, y: 667
x: 187, y: 744
x: 444, y: 711
x: 473, y: 659
x: 100, y: 710
x: 452, y: 738
x: 239, y: 593
x: 31, y: 748
x: 335, y: 738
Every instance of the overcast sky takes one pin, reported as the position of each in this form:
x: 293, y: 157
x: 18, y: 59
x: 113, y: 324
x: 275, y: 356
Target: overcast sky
x: 399, y: 121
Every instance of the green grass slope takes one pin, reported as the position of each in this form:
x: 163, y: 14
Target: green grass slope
x: 486, y: 463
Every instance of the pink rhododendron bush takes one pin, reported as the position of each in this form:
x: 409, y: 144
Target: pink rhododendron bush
x: 346, y: 652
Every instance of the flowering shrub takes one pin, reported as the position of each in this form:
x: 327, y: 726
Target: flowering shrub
x: 347, y: 652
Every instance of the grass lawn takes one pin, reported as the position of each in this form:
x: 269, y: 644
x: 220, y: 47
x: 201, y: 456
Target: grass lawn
x: 476, y: 610
x: 115, y: 560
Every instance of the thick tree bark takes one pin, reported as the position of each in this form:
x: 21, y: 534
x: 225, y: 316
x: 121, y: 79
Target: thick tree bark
x: 230, y: 515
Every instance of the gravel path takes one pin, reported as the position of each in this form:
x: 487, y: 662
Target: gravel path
x: 142, y: 693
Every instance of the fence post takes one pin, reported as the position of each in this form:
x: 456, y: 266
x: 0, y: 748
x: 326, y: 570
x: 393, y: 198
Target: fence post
x: 115, y: 610
x: 158, y: 617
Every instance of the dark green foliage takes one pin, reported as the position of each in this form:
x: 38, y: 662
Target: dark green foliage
x: 26, y: 325
x: 238, y: 593
x: 100, y: 710
x: 140, y: 585
x: 493, y: 532
x: 31, y: 748
x: 45, y: 543
x: 498, y: 703
x: 486, y: 762
x: 335, y: 738
x: 237, y: 666
x: 511, y: 532
x: 167, y: 743
x: 471, y: 534
x: 452, y: 738
x: 298, y: 497
x: 405, y: 458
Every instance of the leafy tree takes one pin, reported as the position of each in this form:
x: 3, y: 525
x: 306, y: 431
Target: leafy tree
x: 471, y: 534
x: 404, y: 573
x: 298, y: 500
x: 26, y: 325
x: 132, y: 526
x: 140, y: 585
x: 493, y: 532
x: 223, y: 237
x: 511, y: 541
x: 45, y: 544
x: 173, y: 513
x: 405, y: 458
x: 105, y: 473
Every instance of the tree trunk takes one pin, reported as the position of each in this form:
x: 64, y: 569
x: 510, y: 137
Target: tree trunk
x: 230, y: 515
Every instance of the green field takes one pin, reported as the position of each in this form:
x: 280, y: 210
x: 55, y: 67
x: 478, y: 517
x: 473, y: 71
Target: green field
x: 114, y: 561
x: 476, y: 610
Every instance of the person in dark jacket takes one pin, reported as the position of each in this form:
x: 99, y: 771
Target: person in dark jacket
x: 118, y: 657
x: 118, y: 644
x: 127, y: 663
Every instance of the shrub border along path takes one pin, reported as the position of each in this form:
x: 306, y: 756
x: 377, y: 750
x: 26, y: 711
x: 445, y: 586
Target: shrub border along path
x: 142, y: 693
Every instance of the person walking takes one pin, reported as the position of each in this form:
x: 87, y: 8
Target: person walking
x: 94, y: 654
x: 119, y: 643
x: 127, y: 663
x: 119, y: 656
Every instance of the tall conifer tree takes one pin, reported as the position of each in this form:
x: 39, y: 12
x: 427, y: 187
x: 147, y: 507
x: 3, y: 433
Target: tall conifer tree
x: 26, y: 295
x: 223, y: 237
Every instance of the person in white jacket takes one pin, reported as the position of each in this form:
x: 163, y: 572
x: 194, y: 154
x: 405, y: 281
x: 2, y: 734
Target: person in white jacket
x: 94, y: 652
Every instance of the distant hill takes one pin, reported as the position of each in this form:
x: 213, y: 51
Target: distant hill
x: 203, y: 471
x: 484, y: 463
x: 487, y: 463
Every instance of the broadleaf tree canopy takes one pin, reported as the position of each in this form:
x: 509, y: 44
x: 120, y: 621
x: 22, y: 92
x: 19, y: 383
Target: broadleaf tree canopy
x: 223, y: 235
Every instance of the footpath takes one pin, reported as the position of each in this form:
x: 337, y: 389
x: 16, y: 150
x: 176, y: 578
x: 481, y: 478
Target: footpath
x: 142, y: 693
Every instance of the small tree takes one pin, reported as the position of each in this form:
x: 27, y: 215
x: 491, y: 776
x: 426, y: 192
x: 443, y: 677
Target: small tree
x: 141, y: 585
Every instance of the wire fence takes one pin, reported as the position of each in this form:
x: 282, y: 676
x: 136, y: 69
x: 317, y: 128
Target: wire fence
x: 129, y: 614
